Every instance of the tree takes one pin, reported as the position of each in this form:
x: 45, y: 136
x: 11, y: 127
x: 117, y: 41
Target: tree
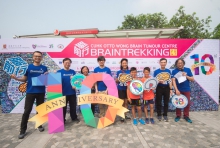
x: 216, y: 32
x: 193, y: 26
x: 143, y: 21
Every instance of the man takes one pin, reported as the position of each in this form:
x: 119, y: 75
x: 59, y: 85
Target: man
x: 100, y: 85
x: 68, y: 90
x: 182, y: 88
x: 164, y: 88
x: 33, y: 92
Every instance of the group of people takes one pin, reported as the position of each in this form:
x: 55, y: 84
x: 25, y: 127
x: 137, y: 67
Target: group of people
x: 163, y: 90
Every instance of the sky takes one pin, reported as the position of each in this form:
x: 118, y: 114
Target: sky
x: 26, y: 17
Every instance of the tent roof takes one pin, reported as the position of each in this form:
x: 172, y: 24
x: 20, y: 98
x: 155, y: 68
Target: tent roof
x: 131, y: 33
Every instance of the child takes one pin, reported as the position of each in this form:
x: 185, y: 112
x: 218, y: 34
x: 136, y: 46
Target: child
x: 100, y: 85
x: 134, y: 99
x: 148, y: 97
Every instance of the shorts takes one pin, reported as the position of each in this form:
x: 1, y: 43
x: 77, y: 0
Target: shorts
x: 122, y: 94
x: 135, y: 102
x: 147, y: 102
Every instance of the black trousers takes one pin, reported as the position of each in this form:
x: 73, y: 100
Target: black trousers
x: 93, y: 108
x: 29, y: 101
x: 162, y: 92
x: 72, y: 103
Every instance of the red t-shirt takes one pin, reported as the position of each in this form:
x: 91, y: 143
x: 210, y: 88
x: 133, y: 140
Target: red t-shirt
x: 147, y: 94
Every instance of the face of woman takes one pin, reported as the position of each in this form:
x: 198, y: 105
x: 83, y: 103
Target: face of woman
x: 180, y: 64
x: 124, y: 64
x: 85, y: 71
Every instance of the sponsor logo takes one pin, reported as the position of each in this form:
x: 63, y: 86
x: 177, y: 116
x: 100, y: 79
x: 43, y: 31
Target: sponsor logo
x: 82, y: 62
x: 68, y: 74
x: 81, y: 49
x: 34, y: 46
x: 5, y: 46
x: 51, y: 46
x: 60, y: 46
x: 137, y: 62
x: 113, y: 62
x: 74, y: 62
x: 37, y: 71
x: 60, y: 62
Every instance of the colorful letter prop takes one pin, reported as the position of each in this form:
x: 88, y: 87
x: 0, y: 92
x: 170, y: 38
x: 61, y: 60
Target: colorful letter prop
x: 52, y: 110
x: 86, y: 98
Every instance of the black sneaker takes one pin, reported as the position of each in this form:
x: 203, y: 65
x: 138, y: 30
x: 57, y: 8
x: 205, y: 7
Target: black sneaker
x: 21, y: 135
x: 76, y: 120
x: 40, y: 128
x: 165, y: 118
x: 159, y: 118
x: 127, y: 117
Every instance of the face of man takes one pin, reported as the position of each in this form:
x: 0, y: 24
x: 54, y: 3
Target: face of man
x: 37, y: 57
x: 101, y: 63
x: 163, y: 64
x: 67, y: 64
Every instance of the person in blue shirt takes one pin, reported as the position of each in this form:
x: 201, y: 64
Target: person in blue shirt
x: 100, y: 86
x: 164, y: 88
x: 85, y: 72
x: 68, y: 90
x: 122, y: 89
x: 32, y: 92
x: 182, y: 88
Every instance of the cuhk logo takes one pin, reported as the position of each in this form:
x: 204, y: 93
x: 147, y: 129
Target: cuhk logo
x: 34, y: 46
x: 4, y: 46
x: 81, y: 49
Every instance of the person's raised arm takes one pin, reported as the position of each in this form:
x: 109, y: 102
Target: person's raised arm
x: 22, y: 79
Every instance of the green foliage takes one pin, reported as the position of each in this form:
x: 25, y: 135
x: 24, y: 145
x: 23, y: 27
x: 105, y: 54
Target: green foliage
x: 193, y: 26
x: 216, y: 32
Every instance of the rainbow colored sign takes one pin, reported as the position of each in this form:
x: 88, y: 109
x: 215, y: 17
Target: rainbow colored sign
x: 86, y: 98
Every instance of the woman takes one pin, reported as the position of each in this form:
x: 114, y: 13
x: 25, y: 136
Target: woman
x: 182, y: 88
x: 122, y: 90
x: 85, y: 72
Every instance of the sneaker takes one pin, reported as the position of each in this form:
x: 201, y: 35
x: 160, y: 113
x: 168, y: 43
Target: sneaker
x: 159, y: 118
x: 152, y: 120
x: 127, y: 117
x: 142, y: 121
x: 21, y: 135
x: 165, y: 118
x: 147, y: 121
x: 40, y: 128
x: 188, y: 119
x: 177, y: 119
x: 122, y: 119
x: 76, y: 120
x: 135, y: 122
